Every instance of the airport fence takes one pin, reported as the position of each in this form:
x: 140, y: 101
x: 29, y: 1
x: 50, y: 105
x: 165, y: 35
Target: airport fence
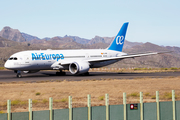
x: 139, y: 111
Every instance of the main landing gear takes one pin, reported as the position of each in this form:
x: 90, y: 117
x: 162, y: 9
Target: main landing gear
x: 60, y: 73
x: 18, y: 74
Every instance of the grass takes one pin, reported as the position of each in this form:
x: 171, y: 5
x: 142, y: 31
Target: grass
x: 137, y: 68
x: 23, y: 102
x: 44, y: 100
x: 56, y: 101
x: 1, y: 112
x: 153, y: 69
x: 18, y: 102
x: 38, y: 93
x: 164, y: 68
x: 142, y: 69
x: 168, y: 95
x: 64, y: 100
x: 153, y: 97
x: 64, y: 89
x: 135, y: 94
x: 34, y: 101
x: 174, y: 68
x: 15, y: 102
x: 61, y: 100
x: 147, y: 94
x: 2, y: 68
x: 101, y: 98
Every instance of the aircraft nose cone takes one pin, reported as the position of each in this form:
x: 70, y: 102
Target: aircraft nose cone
x: 7, y: 65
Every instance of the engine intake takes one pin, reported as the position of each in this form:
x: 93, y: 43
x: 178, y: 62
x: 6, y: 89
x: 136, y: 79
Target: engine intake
x: 79, y: 67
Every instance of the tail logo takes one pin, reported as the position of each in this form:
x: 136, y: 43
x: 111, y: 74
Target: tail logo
x: 119, y: 40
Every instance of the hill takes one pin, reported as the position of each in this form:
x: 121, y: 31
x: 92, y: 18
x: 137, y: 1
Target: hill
x: 57, y: 42
x: 12, y: 34
x: 29, y: 37
x: 78, y: 39
x: 154, y: 61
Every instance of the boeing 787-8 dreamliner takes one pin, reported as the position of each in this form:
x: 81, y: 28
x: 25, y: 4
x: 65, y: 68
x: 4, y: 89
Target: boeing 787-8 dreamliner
x: 76, y: 61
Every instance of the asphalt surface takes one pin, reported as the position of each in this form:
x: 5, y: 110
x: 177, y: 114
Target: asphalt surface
x: 9, y: 76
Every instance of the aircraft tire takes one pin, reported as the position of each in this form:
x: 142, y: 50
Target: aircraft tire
x: 19, y: 75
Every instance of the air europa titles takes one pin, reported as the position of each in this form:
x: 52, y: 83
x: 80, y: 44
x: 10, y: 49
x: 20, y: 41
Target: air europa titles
x: 43, y: 56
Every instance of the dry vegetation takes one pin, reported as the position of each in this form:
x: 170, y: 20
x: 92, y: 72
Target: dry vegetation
x: 20, y: 92
x: 136, y: 70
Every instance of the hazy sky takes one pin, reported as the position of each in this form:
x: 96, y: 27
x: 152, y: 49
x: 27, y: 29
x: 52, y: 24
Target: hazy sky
x: 155, y: 21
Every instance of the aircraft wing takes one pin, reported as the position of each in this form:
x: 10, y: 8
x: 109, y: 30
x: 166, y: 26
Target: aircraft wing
x: 126, y: 56
x: 65, y: 62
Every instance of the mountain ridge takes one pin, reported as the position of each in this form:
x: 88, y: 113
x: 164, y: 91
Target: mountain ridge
x: 29, y: 37
x: 12, y: 34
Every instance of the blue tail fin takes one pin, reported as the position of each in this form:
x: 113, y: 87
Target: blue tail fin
x: 118, y: 41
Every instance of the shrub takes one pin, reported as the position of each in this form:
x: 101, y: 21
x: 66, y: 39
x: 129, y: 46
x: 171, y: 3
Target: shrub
x: 174, y: 68
x: 1, y: 68
x: 23, y: 102
x: 101, y: 98
x: 56, y: 101
x: 15, y: 102
x: 4, y: 104
x: 45, y: 100
x: 38, y: 93
x: 64, y: 100
x: 167, y: 95
x: 146, y: 94
x: 34, y: 101
x: 137, y: 68
x: 164, y: 68
x: 144, y: 69
x: 1, y: 112
x: 135, y: 94
x: 153, y: 97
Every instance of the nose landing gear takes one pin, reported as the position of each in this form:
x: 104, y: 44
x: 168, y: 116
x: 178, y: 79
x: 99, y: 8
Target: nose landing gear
x: 18, y: 74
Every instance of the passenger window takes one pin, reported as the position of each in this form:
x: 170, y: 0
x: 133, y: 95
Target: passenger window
x: 15, y: 58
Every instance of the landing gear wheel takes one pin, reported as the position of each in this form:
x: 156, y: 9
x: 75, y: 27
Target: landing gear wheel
x: 19, y: 75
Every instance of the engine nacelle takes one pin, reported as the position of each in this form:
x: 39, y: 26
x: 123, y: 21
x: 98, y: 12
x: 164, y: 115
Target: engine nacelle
x: 31, y: 71
x: 79, y: 67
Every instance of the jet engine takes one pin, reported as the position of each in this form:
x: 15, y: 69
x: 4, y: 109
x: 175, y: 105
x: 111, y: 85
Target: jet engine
x: 79, y: 67
x: 31, y: 71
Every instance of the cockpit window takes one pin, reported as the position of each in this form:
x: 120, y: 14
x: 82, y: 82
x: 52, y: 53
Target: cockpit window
x: 13, y: 58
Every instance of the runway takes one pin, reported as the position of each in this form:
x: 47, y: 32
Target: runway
x: 9, y: 76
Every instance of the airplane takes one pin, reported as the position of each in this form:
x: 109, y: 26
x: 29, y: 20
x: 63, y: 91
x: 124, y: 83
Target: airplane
x: 76, y: 61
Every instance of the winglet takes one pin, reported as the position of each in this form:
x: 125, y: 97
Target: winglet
x: 118, y: 42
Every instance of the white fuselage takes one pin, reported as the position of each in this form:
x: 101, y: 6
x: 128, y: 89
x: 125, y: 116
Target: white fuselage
x: 47, y: 59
